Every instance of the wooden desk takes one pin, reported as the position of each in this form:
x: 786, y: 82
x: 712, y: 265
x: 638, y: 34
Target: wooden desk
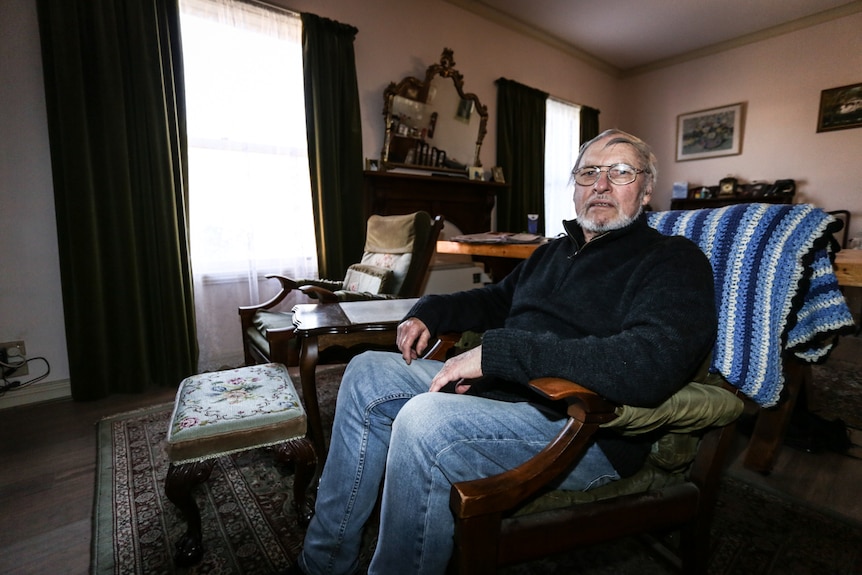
x: 499, y: 259
x: 346, y: 324
x: 848, y: 268
x: 514, y: 251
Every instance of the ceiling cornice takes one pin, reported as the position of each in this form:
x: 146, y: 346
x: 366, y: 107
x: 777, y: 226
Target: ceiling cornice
x: 780, y: 30
x: 479, y: 8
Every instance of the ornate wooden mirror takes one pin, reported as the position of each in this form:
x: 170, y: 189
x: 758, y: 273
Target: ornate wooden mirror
x: 433, y: 124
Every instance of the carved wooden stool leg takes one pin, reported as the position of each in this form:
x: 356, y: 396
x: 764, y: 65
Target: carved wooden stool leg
x: 180, y: 481
x: 301, y: 453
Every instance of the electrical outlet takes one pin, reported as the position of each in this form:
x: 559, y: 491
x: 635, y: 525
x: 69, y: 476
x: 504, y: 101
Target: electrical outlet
x: 14, y: 353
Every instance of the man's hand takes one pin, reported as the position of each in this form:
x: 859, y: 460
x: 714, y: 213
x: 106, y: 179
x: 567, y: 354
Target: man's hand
x: 412, y: 338
x: 460, y: 369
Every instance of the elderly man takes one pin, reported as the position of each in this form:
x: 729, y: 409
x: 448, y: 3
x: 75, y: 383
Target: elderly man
x: 613, y: 305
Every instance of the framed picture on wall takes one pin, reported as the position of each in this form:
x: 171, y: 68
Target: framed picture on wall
x: 709, y: 133
x: 840, y: 108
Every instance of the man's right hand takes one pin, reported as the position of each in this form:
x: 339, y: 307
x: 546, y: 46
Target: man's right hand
x: 412, y: 338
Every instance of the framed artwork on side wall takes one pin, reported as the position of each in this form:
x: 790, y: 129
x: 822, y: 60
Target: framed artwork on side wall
x: 709, y: 133
x: 840, y: 108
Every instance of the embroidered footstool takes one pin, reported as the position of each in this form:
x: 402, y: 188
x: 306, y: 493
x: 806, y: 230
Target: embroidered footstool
x: 226, y: 412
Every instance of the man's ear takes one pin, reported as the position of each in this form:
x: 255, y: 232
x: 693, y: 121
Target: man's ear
x: 646, y: 197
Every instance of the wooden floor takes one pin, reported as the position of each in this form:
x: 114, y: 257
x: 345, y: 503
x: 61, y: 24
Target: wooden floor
x: 47, y: 479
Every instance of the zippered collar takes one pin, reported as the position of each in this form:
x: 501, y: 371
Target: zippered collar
x: 576, y: 234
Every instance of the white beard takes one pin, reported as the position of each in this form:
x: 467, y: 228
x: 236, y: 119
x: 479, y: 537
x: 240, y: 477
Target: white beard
x: 618, y: 223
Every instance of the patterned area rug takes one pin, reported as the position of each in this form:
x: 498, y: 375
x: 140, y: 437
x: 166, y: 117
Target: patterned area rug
x: 250, y: 527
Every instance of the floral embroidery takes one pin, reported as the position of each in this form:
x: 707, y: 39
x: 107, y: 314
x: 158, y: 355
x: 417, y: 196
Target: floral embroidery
x: 223, y: 397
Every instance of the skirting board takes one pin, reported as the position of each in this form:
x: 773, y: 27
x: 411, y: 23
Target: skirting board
x: 37, y: 393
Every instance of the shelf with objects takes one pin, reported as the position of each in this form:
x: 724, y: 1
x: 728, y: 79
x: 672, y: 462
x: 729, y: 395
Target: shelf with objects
x: 730, y: 192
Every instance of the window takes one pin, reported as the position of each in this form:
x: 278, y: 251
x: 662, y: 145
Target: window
x: 249, y: 189
x: 562, y: 139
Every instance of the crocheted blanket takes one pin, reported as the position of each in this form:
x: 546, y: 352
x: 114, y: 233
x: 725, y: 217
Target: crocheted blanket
x: 775, y: 287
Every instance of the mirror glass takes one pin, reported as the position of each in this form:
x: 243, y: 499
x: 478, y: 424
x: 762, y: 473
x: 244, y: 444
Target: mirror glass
x: 432, y: 123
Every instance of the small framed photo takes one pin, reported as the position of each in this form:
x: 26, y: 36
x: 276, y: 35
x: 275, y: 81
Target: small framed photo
x: 709, y: 133
x: 476, y: 173
x: 497, y: 174
x: 465, y: 110
x: 840, y: 108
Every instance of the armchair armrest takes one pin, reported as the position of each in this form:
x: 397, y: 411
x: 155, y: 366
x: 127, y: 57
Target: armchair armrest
x: 319, y: 293
x: 287, y: 285
x: 330, y: 285
x: 499, y: 493
x: 323, y: 295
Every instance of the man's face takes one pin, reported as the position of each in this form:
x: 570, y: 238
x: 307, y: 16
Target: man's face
x: 605, y: 206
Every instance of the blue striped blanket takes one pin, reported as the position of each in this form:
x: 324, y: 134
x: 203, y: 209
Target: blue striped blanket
x: 775, y: 288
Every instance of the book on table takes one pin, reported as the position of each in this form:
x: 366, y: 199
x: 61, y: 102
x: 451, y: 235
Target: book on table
x: 498, y: 238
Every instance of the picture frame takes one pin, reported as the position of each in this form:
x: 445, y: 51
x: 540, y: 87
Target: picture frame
x: 476, y: 173
x: 465, y: 110
x: 840, y: 108
x: 710, y: 133
x: 497, y: 174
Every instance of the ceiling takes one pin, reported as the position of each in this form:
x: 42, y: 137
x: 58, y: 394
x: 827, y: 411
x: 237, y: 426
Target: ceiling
x: 627, y: 36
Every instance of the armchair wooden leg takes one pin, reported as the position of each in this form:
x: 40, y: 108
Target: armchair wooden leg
x: 476, y: 545
x: 180, y: 481
x: 771, y: 424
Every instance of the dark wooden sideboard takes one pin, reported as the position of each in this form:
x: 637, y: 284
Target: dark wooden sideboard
x: 465, y: 203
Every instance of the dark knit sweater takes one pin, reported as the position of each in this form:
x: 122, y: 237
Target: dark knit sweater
x: 630, y: 315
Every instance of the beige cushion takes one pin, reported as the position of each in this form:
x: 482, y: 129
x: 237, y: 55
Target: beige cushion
x: 390, y: 234
x: 367, y: 278
x: 398, y: 264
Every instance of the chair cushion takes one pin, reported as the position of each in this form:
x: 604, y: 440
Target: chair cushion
x: 367, y: 278
x: 233, y: 410
x: 391, y: 234
x: 262, y: 322
x: 647, y: 478
x: 696, y: 406
x: 265, y: 320
x: 398, y: 264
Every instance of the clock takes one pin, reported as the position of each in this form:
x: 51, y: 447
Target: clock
x: 727, y: 187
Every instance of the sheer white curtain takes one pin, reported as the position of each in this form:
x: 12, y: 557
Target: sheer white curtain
x: 562, y: 139
x: 249, y: 189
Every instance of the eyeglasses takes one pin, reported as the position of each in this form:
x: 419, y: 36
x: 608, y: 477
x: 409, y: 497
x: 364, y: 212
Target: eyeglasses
x: 619, y: 174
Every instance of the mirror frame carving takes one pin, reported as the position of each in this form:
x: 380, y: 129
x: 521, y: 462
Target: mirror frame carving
x: 410, y: 86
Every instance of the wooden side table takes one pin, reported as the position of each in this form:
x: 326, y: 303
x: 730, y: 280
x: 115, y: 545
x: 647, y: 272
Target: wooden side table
x: 345, y: 324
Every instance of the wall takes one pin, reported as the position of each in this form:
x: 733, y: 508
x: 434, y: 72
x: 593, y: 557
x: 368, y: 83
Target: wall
x: 30, y: 300
x: 400, y: 38
x: 780, y: 81
x: 395, y: 39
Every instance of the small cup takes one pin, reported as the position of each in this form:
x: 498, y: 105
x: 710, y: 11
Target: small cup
x: 533, y: 223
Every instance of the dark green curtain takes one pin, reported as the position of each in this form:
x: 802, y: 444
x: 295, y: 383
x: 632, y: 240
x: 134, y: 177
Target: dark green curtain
x: 520, y: 152
x: 589, y: 123
x: 334, y: 143
x: 113, y: 85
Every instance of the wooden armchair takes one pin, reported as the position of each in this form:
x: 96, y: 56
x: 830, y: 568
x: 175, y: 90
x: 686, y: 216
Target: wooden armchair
x: 779, y: 304
x: 516, y: 517
x: 398, y: 252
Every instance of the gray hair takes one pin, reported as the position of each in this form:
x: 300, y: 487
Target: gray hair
x: 644, y: 152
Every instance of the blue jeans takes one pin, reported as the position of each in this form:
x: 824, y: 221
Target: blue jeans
x: 389, y: 429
